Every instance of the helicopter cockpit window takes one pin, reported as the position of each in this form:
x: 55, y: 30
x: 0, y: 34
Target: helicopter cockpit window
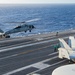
x: 18, y: 27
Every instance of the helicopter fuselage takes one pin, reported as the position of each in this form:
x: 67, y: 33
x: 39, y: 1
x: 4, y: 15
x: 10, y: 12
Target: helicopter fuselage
x: 20, y: 29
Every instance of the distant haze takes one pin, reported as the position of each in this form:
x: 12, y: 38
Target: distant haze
x: 34, y: 1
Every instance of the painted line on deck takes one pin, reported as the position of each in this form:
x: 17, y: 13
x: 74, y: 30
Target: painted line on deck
x: 46, y: 67
x: 52, y: 53
x: 32, y: 59
x: 16, y: 45
x: 12, y: 39
x: 8, y: 56
x: 27, y: 52
x: 9, y: 49
x: 32, y: 65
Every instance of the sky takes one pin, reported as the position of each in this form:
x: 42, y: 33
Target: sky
x: 35, y: 1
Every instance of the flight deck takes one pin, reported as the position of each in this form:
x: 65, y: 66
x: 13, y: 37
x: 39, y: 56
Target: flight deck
x: 32, y: 54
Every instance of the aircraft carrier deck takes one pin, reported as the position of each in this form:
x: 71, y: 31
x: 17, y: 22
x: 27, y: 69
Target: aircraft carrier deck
x: 31, y: 54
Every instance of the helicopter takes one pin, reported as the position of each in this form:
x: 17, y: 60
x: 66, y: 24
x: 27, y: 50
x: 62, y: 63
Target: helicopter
x: 20, y: 28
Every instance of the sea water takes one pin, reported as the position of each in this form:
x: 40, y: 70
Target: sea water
x: 51, y: 17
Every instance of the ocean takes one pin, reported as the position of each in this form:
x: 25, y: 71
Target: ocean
x: 51, y: 17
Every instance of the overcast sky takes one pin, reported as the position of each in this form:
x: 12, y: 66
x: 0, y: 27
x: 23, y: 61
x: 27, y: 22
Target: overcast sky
x: 37, y: 1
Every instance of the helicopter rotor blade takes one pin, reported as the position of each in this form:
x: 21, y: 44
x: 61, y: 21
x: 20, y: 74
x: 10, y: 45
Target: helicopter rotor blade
x: 33, y: 20
x: 16, y: 22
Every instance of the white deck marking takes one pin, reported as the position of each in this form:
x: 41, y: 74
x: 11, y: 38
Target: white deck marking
x: 3, y: 50
x: 32, y: 65
x: 46, y: 67
x: 14, y: 45
x: 40, y: 65
x: 52, y: 53
x: 9, y: 49
x: 18, y: 54
x: 8, y: 56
